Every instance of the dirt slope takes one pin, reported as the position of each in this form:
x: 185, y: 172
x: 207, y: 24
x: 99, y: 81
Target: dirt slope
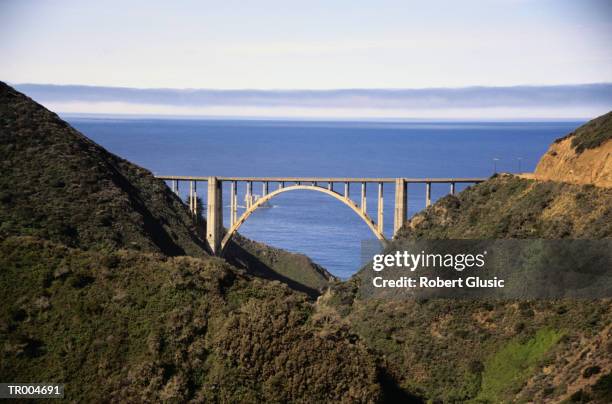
x: 582, y: 157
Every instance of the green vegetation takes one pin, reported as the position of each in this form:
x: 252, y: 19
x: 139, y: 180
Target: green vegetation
x: 106, y: 286
x: 451, y: 350
x: 507, y: 370
x: 296, y: 270
x: 511, y: 207
x: 441, y: 349
x: 133, y: 326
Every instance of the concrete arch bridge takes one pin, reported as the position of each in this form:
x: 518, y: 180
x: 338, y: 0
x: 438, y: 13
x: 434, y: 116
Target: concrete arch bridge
x: 217, y: 240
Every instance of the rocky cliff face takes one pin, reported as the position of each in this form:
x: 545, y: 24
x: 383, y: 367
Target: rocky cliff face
x: 582, y: 157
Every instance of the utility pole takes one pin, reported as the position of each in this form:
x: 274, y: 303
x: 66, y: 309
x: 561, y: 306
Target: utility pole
x: 495, y: 160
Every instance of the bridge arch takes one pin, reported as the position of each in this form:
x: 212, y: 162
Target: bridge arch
x: 348, y: 202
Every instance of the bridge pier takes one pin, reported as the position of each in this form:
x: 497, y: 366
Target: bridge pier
x: 193, y: 198
x: 364, y: 200
x: 401, y: 193
x: 427, y: 194
x: 452, y: 188
x: 190, y: 197
x: 214, y: 215
x: 249, y: 194
x: 379, y: 221
x: 233, y: 202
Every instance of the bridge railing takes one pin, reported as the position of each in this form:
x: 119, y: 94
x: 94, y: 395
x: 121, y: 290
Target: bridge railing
x: 215, y: 191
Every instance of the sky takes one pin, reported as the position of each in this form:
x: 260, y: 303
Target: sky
x: 307, y: 45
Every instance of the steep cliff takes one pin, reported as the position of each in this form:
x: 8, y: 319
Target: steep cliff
x: 582, y: 157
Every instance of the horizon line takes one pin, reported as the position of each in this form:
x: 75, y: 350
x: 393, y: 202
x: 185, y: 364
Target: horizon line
x: 255, y: 89
x: 136, y: 116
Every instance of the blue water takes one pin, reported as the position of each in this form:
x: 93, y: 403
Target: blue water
x: 309, y: 222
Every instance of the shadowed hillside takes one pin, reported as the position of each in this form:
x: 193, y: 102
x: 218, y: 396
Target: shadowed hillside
x: 106, y: 287
x: 495, y: 351
x: 296, y: 270
x: 61, y: 186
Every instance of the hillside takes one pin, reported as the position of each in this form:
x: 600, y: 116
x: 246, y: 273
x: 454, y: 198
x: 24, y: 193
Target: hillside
x: 510, y: 207
x: 506, y: 350
x: 134, y: 326
x: 296, y: 270
x: 582, y: 157
x: 59, y: 185
x: 106, y: 286
x: 458, y: 350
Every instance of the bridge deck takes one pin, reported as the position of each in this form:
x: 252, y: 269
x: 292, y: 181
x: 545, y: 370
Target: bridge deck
x: 322, y: 179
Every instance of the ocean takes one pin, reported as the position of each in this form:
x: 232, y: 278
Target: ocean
x: 310, y: 222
